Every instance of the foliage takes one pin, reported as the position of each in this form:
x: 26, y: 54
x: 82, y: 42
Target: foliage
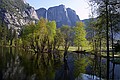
x: 99, y: 7
x: 80, y: 35
x: 51, y: 27
x: 58, y: 39
x: 40, y: 35
x: 66, y: 32
x: 97, y: 30
x: 80, y: 66
x: 44, y: 36
x: 27, y: 34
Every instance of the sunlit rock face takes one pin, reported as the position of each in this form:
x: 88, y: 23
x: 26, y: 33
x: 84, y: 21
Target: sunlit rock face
x: 21, y: 18
x: 16, y: 13
x: 60, y: 14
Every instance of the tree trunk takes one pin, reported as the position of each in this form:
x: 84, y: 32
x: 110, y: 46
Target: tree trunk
x: 78, y: 48
x: 112, y: 36
x: 107, y: 34
x: 11, y: 42
x: 100, y: 58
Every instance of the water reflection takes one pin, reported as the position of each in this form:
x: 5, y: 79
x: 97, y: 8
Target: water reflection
x: 15, y: 64
x: 24, y: 66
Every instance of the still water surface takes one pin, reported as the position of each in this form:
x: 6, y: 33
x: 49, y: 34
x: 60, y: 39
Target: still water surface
x: 15, y: 64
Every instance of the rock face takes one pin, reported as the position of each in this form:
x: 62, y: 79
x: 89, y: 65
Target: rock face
x: 16, y: 13
x: 60, y: 14
x: 41, y: 12
x: 72, y: 16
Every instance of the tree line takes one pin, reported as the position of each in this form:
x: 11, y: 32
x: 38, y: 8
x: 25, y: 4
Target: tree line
x: 44, y: 36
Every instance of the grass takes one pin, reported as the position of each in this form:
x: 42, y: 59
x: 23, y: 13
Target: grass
x: 74, y: 48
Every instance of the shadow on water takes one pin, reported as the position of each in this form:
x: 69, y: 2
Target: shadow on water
x: 16, y: 64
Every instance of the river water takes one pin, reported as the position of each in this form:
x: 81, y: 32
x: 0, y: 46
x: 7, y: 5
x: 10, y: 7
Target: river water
x: 16, y: 64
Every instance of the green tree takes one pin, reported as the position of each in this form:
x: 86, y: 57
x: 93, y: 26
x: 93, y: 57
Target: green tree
x: 58, y: 39
x: 67, y: 35
x: 27, y: 36
x: 41, y: 35
x: 35, y: 35
x: 80, y: 35
x: 51, y: 29
x: 108, y: 11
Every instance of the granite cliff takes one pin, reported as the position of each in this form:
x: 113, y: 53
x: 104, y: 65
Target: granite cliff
x: 62, y: 15
x: 16, y: 13
x: 41, y: 12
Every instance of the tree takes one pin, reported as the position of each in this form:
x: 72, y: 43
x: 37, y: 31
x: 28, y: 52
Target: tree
x: 28, y: 36
x: 80, y: 35
x: 108, y: 10
x: 41, y: 35
x: 67, y: 35
x: 58, y: 39
x: 51, y: 32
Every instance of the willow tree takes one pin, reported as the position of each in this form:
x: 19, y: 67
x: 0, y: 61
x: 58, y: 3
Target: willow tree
x: 41, y: 34
x: 37, y: 36
x: 27, y: 36
x: 51, y: 32
x: 80, y: 35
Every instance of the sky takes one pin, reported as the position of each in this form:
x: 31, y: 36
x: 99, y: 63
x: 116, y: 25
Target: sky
x: 80, y: 6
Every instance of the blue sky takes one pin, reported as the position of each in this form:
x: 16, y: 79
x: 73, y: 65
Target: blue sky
x: 80, y: 6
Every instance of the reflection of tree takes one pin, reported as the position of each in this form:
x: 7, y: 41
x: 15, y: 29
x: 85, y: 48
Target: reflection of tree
x: 113, y: 71
x: 98, y: 67
x: 66, y: 70
x: 23, y: 66
x: 42, y: 68
x: 80, y: 66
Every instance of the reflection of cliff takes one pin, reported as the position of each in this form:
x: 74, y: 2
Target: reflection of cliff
x: 60, y: 14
